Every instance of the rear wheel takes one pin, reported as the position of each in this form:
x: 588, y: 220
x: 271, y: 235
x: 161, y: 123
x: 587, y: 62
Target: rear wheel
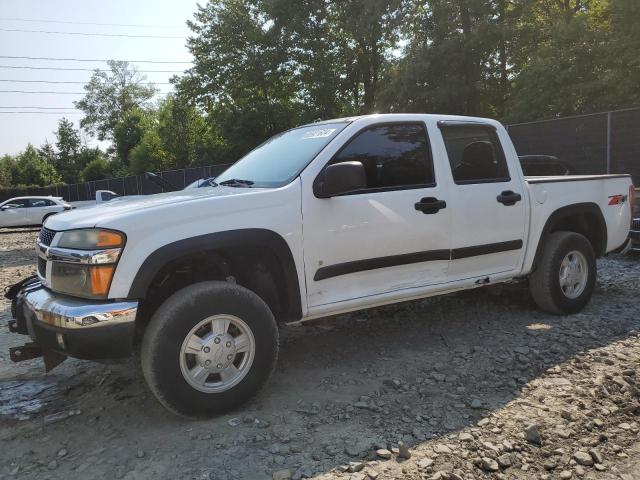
x: 209, y: 348
x: 565, y: 276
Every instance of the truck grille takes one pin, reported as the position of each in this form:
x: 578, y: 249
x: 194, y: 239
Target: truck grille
x: 46, y: 236
x: 635, y: 224
x: 42, y: 267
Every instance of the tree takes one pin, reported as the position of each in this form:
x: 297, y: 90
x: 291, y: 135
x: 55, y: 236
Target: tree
x: 7, y: 169
x: 97, y: 169
x: 48, y: 153
x: 32, y: 169
x: 564, y: 63
x: 367, y: 31
x: 110, y: 95
x: 129, y: 131
x: 183, y: 132
x: 240, y: 75
x: 456, y: 60
x: 68, y: 144
x: 340, y: 50
x: 149, y: 154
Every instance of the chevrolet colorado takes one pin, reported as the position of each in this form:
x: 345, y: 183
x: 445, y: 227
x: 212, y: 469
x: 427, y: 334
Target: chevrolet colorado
x: 322, y: 219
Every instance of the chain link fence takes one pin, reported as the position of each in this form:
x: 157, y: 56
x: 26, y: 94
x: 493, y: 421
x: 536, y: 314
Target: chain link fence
x: 599, y: 143
x: 132, y: 185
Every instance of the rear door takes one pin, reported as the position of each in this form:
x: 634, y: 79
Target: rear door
x: 38, y: 208
x: 488, y: 204
x: 390, y: 236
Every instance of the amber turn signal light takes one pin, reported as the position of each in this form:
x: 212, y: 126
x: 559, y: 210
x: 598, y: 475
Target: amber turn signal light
x: 101, y: 276
x: 109, y: 239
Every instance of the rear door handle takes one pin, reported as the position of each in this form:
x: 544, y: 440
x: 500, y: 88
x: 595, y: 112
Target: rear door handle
x: 509, y: 198
x: 430, y: 205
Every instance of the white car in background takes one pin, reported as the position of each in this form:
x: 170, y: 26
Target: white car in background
x: 30, y: 211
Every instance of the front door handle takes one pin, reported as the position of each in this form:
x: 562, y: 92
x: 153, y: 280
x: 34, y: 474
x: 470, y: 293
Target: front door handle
x: 430, y: 205
x: 509, y: 198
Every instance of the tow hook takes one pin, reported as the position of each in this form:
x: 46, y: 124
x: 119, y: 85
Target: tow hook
x: 26, y: 352
x: 32, y: 350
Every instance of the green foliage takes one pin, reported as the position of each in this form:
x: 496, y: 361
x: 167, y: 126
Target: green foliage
x: 129, y: 131
x: 575, y: 57
x: 149, y: 154
x: 263, y: 66
x: 111, y: 95
x: 32, y: 169
x: 7, y: 169
x: 68, y: 145
x: 183, y: 132
x: 98, y: 168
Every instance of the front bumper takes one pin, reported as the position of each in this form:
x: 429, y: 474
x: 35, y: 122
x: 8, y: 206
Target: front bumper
x: 78, y: 328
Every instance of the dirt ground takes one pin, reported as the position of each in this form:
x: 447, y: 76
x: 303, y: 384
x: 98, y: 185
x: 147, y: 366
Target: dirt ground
x: 474, y: 385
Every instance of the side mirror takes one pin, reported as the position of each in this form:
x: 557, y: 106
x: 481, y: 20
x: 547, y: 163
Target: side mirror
x: 5, y: 207
x: 341, y: 178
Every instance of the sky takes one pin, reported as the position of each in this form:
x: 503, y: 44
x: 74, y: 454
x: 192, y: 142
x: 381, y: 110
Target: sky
x: 150, y: 17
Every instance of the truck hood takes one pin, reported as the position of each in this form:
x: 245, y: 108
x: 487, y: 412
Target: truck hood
x: 87, y: 217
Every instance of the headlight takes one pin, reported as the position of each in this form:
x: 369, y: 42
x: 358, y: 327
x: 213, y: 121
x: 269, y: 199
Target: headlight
x: 91, y: 239
x: 83, y: 262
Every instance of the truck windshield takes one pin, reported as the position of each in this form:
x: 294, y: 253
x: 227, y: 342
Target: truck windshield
x: 280, y: 159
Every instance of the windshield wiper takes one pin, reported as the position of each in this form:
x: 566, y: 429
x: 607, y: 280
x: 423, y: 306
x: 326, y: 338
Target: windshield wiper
x: 237, y: 182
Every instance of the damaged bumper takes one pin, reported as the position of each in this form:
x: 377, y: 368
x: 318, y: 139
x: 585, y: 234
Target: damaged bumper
x: 64, y: 326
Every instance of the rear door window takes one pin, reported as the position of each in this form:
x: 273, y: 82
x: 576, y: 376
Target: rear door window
x: 40, y: 202
x: 475, y: 154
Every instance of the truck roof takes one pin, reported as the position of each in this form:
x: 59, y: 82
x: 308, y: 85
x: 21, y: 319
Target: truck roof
x: 400, y: 116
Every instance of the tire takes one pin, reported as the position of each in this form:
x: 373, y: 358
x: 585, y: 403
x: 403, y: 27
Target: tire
x: 168, y: 361
x: 549, y: 291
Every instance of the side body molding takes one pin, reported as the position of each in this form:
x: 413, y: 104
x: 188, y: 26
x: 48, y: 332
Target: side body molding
x: 250, y: 237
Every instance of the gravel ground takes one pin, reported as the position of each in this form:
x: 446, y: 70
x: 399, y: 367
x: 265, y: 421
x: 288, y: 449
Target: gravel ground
x: 474, y: 385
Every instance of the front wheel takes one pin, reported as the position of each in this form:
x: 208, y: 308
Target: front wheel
x: 209, y: 348
x: 565, y: 276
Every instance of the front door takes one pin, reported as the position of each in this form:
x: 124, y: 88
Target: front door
x: 14, y: 213
x: 392, y: 235
x: 488, y: 203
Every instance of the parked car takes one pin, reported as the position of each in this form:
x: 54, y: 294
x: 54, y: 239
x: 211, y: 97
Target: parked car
x: 30, y: 211
x: 319, y: 220
x: 544, y: 166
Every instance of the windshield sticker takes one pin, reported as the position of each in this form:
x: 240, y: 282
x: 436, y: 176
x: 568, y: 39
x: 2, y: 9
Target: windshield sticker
x: 320, y: 133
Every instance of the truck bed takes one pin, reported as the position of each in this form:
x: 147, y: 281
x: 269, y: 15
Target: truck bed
x: 609, y: 192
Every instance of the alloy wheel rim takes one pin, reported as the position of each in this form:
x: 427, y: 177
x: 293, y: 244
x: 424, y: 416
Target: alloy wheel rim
x: 574, y: 274
x: 217, y: 353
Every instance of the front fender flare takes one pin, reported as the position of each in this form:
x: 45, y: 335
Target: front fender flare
x: 250, y: 237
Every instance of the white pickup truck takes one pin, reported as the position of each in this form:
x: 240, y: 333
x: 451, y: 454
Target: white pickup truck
x: 326, y: 218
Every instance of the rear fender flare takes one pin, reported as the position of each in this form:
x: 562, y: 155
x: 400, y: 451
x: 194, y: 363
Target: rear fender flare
x: 571, y: 211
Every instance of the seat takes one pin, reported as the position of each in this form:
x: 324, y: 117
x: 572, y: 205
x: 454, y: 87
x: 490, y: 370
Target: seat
x: 478, y: 161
